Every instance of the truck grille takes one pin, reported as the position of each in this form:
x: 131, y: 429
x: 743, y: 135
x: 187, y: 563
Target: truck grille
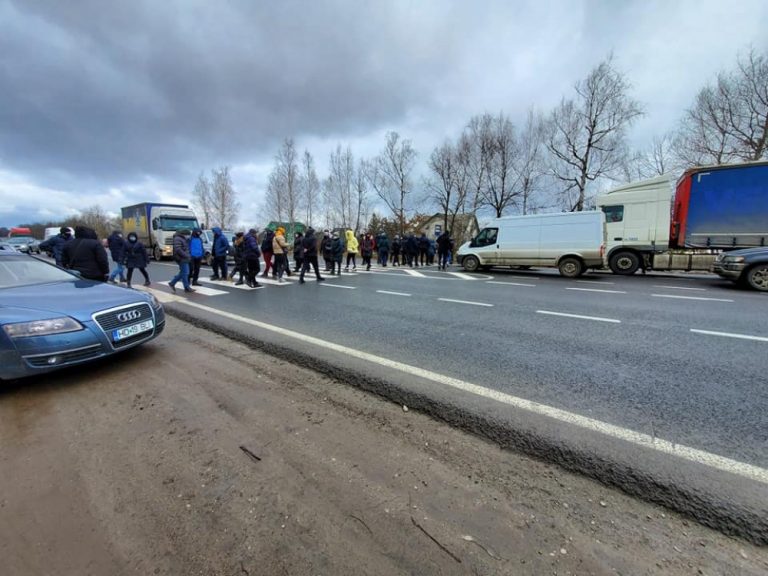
x: 109, y: 320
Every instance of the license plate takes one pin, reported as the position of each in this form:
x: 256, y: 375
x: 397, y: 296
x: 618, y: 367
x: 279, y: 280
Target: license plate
x: 132, y: 330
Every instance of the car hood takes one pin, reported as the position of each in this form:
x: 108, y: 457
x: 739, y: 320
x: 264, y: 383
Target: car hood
x: 78, y: 299
x: 747, y: 251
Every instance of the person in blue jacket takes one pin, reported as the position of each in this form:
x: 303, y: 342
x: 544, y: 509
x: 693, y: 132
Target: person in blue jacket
x: 220, y: 251
x: 116, y: 246
x: 197, y: 253
x: 56, y: 244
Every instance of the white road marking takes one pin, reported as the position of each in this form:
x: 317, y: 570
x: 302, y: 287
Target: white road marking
x: 730, y: 335
x: 510, y: 283
x: 392, y: 293
x: 679, y: 287
x: 579, y: 316
x: 415, y: 273
x: 637, y: 438
x: 594, y: 282
x: 691, y: 298
x: 205, y: 291
x: 463, y: 276
x: 339, y: 286
x: 465, y: 302
x: 598, y: 290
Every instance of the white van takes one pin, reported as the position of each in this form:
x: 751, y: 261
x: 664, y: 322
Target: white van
x: 573, y: 242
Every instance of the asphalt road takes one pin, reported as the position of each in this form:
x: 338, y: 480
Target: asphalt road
x: 678, y: 359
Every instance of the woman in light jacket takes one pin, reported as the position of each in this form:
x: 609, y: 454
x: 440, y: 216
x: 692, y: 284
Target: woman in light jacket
x: 352, y: 249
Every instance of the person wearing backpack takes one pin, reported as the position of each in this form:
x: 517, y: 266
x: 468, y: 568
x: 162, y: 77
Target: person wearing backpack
x: 266, y: 250
x: 196, y: 252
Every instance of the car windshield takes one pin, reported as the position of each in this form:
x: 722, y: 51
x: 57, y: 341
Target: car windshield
x: 20, y: 240
x: 25, y: 271
x: 178, y: 223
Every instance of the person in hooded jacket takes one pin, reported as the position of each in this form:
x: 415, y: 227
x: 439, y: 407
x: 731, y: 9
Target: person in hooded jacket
x: 310, y: 255
x: 443, y: 249
x: 238, y: 242
x: 56, y: 244
x: 367, y: 250
x: 383, y: 247
x: 396, y: 249
x: 280, y: 250
x: 352, y: 248
x: 135, y: 257
x: 298, y: 252
x: 116, y: 246
x: 423, y: 256
x: 220, y: 251
x: 337, y: 252
x: 266, y: 250
x: 326, y: 244
x: 252, y: 253
x: 182, y: 257
x: 86, y: 255
x: 196, y: 253
x: 412, y: 251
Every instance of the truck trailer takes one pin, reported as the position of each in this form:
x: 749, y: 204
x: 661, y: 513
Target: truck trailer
x: 155, y: 225
x: 662, y: 224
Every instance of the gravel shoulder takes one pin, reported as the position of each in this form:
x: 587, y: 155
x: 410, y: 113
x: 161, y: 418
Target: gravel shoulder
x: 197, y: 455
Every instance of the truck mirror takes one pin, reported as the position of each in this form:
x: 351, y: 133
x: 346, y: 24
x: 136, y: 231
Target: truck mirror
x: 154, y: 224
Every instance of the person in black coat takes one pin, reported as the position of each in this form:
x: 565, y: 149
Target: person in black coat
x: 327, y: 245
x: 136, y: 257
x: 396, y: 249
x: 252, y: 254
x: 310, y: 255
x: 116, y: 246
x: 423, y: 254
x: 56, y: 244
x: 86, y: 255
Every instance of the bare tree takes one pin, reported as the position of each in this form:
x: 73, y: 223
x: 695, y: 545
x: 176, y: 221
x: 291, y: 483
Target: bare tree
x: 274, y: 199
x: 529, y: 164
x: 501, y: 191
x: 201, y: 198
x: 729, y: 120
x: 224, y: 204
x: 477, y: 136
x: 449, y: 182
x: 585, y: 135
x: 390, y: 176
x: 362, y: 204
x: 659, y: 158
x: 310, y: 185
x: 287, y: 169
x: 339, y: 187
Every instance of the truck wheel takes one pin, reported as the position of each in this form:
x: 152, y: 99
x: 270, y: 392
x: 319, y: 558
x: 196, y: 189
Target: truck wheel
x: 157, y: 253
x: 570, y: 267
x: 625, y: 263
x: 757, y: 277
x: 471, y: 263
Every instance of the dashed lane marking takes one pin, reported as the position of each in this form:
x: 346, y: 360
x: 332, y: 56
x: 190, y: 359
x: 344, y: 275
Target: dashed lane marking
x: 678, y: 288
x: 691, y: 298
x: 392, y: 293
x: 510, y: 283
x: 465, y: 302
x: 463, y: 276
x: 594, y: 282
x: 611, y: 430
x: 579, y: 316
x: 598, y: 290
x: 730, y: 335
x: 339, y: 286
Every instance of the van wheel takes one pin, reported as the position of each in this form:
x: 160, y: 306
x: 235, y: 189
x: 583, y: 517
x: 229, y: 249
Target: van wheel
x: 157, y: 253
x: 471, y: 263
x: 757, y: 277
x: 570, y: 267
x: 624, y: 263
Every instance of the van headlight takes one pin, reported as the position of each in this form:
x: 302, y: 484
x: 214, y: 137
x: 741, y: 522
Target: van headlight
x: 42, y: 327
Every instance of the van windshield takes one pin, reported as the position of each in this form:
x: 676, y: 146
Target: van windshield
x: 486, y: 237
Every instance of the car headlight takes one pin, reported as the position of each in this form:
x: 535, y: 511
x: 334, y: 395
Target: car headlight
x: 42, y: 327
x: 733, y: 259
x: 155, y: 302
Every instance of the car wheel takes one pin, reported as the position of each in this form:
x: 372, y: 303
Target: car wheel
x: 757, y: 277
x: 625, y: 263
x: 471, y: 263
x: 570, y: 267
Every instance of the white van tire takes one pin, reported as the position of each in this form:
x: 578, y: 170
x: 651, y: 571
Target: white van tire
x: 570, y: 267
x: 470, y: 263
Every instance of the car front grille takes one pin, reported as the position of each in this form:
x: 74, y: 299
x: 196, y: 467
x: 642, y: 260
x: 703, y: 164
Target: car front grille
x: 109, y: 321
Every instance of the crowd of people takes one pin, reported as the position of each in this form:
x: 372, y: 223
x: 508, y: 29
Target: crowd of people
x: 87, y: 255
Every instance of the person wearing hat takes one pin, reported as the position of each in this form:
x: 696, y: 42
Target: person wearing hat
x: 56, y: 243
x: 116, y: 245
x: 238, y: 243
x: 182, y: 258
x: 326, y: 245
x: 337, y: 253
x: 135, y: 257
x: 86, y: 255
x: 310, y: 255
x: 280, y: 253
x: 196, y: 253
x: 252, y: 253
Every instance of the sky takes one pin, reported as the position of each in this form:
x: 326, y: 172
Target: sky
x: 120, y: 102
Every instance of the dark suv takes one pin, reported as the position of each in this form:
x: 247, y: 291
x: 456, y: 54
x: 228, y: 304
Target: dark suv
x: 748, y: 267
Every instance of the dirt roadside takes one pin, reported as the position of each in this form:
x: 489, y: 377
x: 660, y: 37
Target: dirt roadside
x: 197, y: 455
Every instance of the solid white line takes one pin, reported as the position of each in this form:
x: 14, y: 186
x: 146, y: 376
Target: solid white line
x: 415, y: 273
x: 510, y: 283
x: 463, y: 276
x: 639, y: 439
x: 339, y: 286
x: 392, y: 293
x: 596, y: 318
x: 465, y: 302
x: 594, y: 282
x: 679, y: 287
x: 598, y: 290
x: 691, y: 298
x: 731, y: 335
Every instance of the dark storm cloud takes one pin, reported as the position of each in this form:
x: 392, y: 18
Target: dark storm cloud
x: 113, y: 90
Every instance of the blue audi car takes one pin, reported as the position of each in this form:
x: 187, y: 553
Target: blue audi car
x: 50, y: 318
